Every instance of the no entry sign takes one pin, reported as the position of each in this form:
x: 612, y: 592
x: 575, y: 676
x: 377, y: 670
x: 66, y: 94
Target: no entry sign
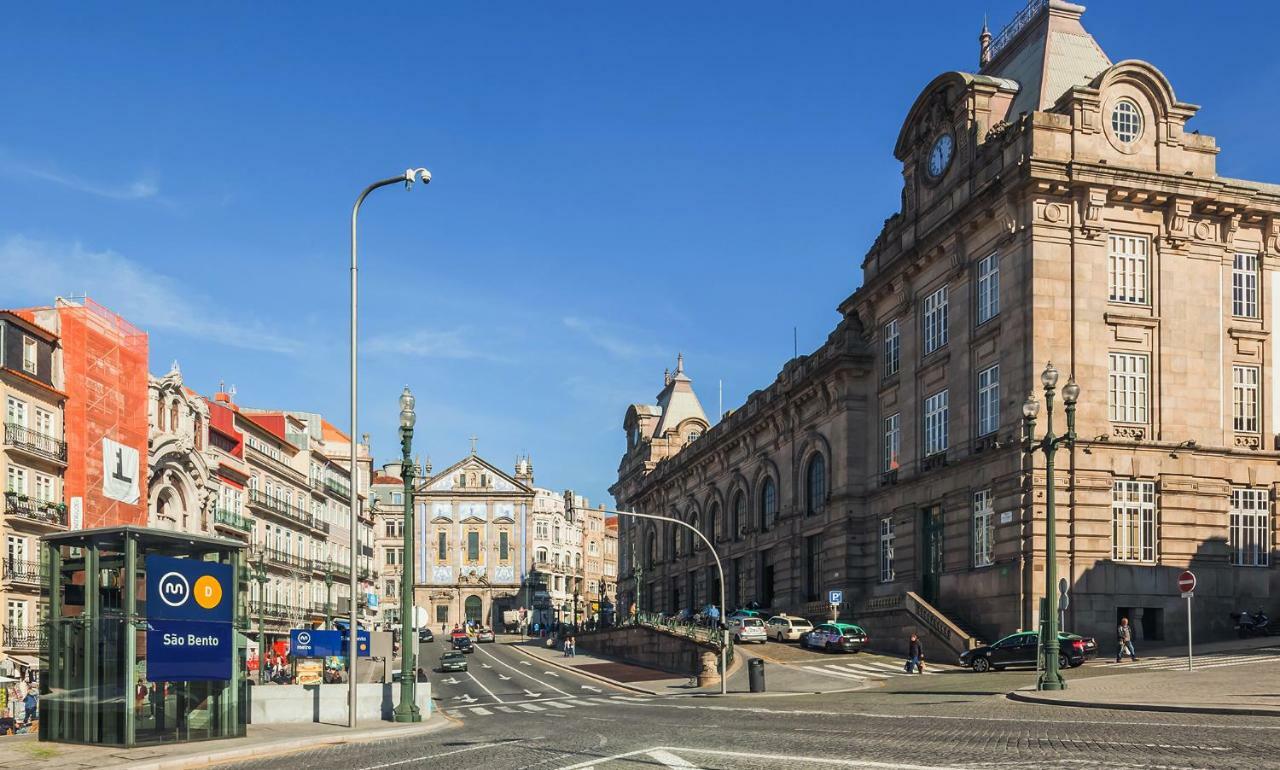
x: 1186, y: 582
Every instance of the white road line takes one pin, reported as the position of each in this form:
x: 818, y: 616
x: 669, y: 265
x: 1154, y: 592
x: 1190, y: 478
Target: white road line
x: 558, y: 704
x: 627, y: 699
x: 605, y: 701
x: 518, y: 671
x: 477, y: 747
x: 833, y: 671
x: 531, y: 707
x: 484, y: 712
x: 667, y: 759
x: 579, y: 702
x: 870, y: 673
x: 780, y: 759
x: 506, y: 709
x: 482, y: 687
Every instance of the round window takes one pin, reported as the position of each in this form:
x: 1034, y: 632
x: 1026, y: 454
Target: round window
x: 1126, y: 121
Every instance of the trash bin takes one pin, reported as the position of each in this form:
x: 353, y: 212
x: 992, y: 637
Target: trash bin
x: 755, y: 673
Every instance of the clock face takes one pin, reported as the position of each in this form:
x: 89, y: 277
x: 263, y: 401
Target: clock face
x: 940, y: 155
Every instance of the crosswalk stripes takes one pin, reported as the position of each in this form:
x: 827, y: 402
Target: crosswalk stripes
x: 1205, y: 661
x: 480, y: 711
x: 873, y: 670
x: 545, y: 704
x: 506, y: 709
x: 531, y: 707
x: 558, y: 704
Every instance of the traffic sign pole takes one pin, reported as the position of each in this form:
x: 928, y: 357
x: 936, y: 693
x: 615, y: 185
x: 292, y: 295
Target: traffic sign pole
x: 1190, y: 664
x: 1187, y: 584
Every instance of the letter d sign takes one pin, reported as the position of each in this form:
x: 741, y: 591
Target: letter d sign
x: 208, y: 591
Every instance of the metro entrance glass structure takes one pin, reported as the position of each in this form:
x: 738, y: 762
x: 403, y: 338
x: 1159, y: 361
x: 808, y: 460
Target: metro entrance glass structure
x: 95, y: 687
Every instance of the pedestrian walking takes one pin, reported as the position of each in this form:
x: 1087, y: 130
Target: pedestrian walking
x: 915, y: 655
x: 573, y: 647
x: 1124, y: 641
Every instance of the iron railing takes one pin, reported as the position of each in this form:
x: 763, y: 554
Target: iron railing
x: 25, y: 637
x: 44, y: 511
x: 24, y: 571
x: 35, y: 442
x: 292, y: 512
x: 338, y: 488
x: 287, y: 559
x: 233, y: 520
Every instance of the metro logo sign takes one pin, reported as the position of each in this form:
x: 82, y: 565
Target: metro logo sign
x: 189, y: 634
x: 187, y: 589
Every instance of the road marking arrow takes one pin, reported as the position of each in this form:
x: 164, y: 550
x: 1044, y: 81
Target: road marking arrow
x: 551, y: 673
x: 525, y: 663
x: 503, y: 678
x: 451, y: 680
x: 464, y: 698
x: 485, y: 665
x: 589, y: 687
x: 532, y: 694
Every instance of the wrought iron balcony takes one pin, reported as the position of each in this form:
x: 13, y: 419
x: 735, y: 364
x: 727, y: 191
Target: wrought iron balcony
x: 278, y: 610
x: 25, y: 637
x: 23, y: 571
x: 233, y: 520
x: 343, y: 491
x: 43, y: 511
x: 291, y: 512
x: 35, y: 443
x: 287, y: 559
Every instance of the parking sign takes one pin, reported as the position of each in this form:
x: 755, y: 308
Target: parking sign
x: 835, y: 597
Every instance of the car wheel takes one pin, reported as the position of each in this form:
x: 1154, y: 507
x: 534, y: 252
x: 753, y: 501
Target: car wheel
x: 827, y: 647
x: 1063, y: 662
x: 981, y: 665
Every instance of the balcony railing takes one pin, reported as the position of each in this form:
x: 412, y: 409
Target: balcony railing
x: 287, y: 559
x: 23, y: 571
x: 278, y: 610
x: 43, y: 511
x: 232, y: 519
x: 291, y: 512
x: 34, y: 442
x: 24, y: 637
x: 343, y: 491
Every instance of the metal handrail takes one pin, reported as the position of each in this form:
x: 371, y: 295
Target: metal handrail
x: 34, y: 441
x: 24, y: 570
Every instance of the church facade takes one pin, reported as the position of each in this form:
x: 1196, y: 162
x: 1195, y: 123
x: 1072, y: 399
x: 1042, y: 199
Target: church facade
x: 1055, y: 207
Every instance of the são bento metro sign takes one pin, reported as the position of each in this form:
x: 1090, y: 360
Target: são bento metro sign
x: 189, y: 634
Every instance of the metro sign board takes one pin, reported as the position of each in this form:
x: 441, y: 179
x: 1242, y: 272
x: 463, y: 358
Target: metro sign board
x: 188, y: 589
x: 1187, y: 582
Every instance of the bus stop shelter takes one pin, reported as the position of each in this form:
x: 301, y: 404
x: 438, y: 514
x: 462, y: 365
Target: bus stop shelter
x: 144, y: 638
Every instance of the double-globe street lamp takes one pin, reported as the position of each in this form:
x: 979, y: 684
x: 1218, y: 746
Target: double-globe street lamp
x: 260, y: 575
x: 569, y: 498
x: 407, y: 711
x: 408, y: 178
x: 1051, y: 676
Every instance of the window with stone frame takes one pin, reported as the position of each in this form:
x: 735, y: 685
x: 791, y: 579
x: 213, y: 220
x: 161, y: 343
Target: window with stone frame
x: 1249, y: 533
x: 768, y: 504
x: 886, y: 550
x: 1128, y: 386
x: 983, y: 528
x: 1244, y: 398
x: 989, y: 400
x: 442, y: 546
x: 988, y: 288
x: 504, y: 545
x: 739, y: 514
x: 892, y: 441
x: 1133, y: 520
x: 815, y: 484
x: 473, y: 546
x: 1244, y: 286
x: 936, y: 413
x: 892, y: 348
x: 1128, y: 268
x: 935, y: 320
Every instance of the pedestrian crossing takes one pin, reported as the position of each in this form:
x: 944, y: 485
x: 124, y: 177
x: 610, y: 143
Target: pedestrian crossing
x: 873, y: 670
x: 1262, y: 655
x: 543, y: 705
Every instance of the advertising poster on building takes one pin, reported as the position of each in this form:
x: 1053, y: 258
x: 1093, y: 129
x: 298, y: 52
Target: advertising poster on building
x: 119, y: 471
x: 308, y: 670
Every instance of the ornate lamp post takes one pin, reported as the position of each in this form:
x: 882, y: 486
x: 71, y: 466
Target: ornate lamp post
x: 637, y: 574
x: 260, y: 575
x: 575, y: 605
x: 328, y: 598
x: 407, y: 711
x: 1051, y: 677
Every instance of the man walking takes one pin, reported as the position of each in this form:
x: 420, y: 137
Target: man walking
x: 915, y: 655
x: 1124, y: 641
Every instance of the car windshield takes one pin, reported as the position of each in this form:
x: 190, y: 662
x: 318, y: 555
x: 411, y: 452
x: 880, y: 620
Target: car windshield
x: 451, y: 656
x: 801, y: 623
x: 752, y: 622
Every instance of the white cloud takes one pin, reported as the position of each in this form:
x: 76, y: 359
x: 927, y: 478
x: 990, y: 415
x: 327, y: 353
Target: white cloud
x: 36, y: 272
x: 429, y: 343
x: 143, y: 188
x: 612, y: 342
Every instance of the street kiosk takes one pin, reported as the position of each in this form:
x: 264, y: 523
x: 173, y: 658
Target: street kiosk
x: 145, y: 638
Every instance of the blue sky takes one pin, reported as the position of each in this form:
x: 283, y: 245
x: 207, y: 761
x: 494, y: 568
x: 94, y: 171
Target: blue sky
x: 614, y: 183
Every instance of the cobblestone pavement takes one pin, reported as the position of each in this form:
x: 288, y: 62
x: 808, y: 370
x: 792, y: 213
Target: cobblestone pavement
x: 951, y: 721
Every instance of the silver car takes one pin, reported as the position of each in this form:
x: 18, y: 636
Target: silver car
x: 748, y: 630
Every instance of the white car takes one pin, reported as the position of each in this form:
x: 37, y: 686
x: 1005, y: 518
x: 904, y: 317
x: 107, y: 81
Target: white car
x: 747, y: 630
x: 786, y: 628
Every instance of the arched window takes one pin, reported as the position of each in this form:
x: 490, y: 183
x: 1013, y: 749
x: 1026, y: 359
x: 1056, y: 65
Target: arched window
x: 768, y: 504
x: 713, y: 523
x: 160, y: 411
x: 692, y: 541
x: 173, y: 416
x: 474, y: 609
x: 815, y: 477
x: 739, y: 515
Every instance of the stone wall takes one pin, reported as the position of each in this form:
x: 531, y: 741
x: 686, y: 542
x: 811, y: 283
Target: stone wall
x: 647, y: 647
x: 294, y: 703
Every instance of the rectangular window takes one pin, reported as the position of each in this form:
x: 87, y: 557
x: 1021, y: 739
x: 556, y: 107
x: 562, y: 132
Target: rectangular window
x: 503, y: 544
x: 935, y: 320
x: 442, y: 546
x: 988, y: 287
x: 16, y: 614
x: 29, y: 355
x: 442, y: 613
x: 886, y: 550
x: 1133, y: 520
x: 1127, y: 387
x: 44, y: 422
x: 473, y: 546
x: 44, y: 488
x: 15, y: 412
x: 892, y: 348
x: 1127, y: 258
x: 988, y: 400
x: 983, y: 528
x: 1244, y: 286
x: 389, y: 556
x: 892, y: 441
x: 935, y: 424
x: 1244, y: 398
x: 1249, y: 538
x: 16, y: 480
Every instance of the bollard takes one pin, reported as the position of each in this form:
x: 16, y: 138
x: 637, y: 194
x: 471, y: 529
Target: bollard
x: 755, y: 673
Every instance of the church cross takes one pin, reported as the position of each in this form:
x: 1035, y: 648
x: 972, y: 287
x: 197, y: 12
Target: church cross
x: 473, y: 444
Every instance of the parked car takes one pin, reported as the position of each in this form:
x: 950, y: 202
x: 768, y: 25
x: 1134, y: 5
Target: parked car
x: 747, y: 629
x: 453, y: 660
x: 485, y: 635
x: 1021, y: 649
x: 740, y: 613
x: 837, y: 637
x: 786, y: 628
x: 463, y: 644
x: 425, y: 635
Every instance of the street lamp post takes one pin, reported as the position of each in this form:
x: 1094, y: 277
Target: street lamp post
x: 1051, y: 677
x: 260, y: 575
x: 408, y: 177
x: 328, y: 598
x: 637, y: 573
x: 407, y: 711
x: 575, y: 605
x: 724, y: 628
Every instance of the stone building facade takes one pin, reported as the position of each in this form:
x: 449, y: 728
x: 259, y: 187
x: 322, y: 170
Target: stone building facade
x: 1055, y: 206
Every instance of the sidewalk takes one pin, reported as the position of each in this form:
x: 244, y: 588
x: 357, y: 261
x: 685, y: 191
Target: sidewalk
x: 24, y: 751
x: 1246, y: 689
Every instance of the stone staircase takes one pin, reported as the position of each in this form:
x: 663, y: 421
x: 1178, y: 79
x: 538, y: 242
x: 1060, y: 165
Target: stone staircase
x: 890, y: 621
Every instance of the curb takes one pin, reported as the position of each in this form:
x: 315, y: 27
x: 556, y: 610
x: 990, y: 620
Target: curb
x: 1023, y: 697
x: 587, y: 674
x: 262, y: 750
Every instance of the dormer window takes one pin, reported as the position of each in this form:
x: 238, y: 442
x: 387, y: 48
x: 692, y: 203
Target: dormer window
x: 694, y: 436
x: 1126, y: 121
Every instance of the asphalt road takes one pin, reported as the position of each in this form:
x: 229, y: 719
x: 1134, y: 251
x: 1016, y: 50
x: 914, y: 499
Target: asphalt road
x: 506, y: 715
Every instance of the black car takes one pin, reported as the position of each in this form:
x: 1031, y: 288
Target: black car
x: 425, y: 635
x: 1020, y: 649
x: 453, y: 661
x: 463, y: 644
